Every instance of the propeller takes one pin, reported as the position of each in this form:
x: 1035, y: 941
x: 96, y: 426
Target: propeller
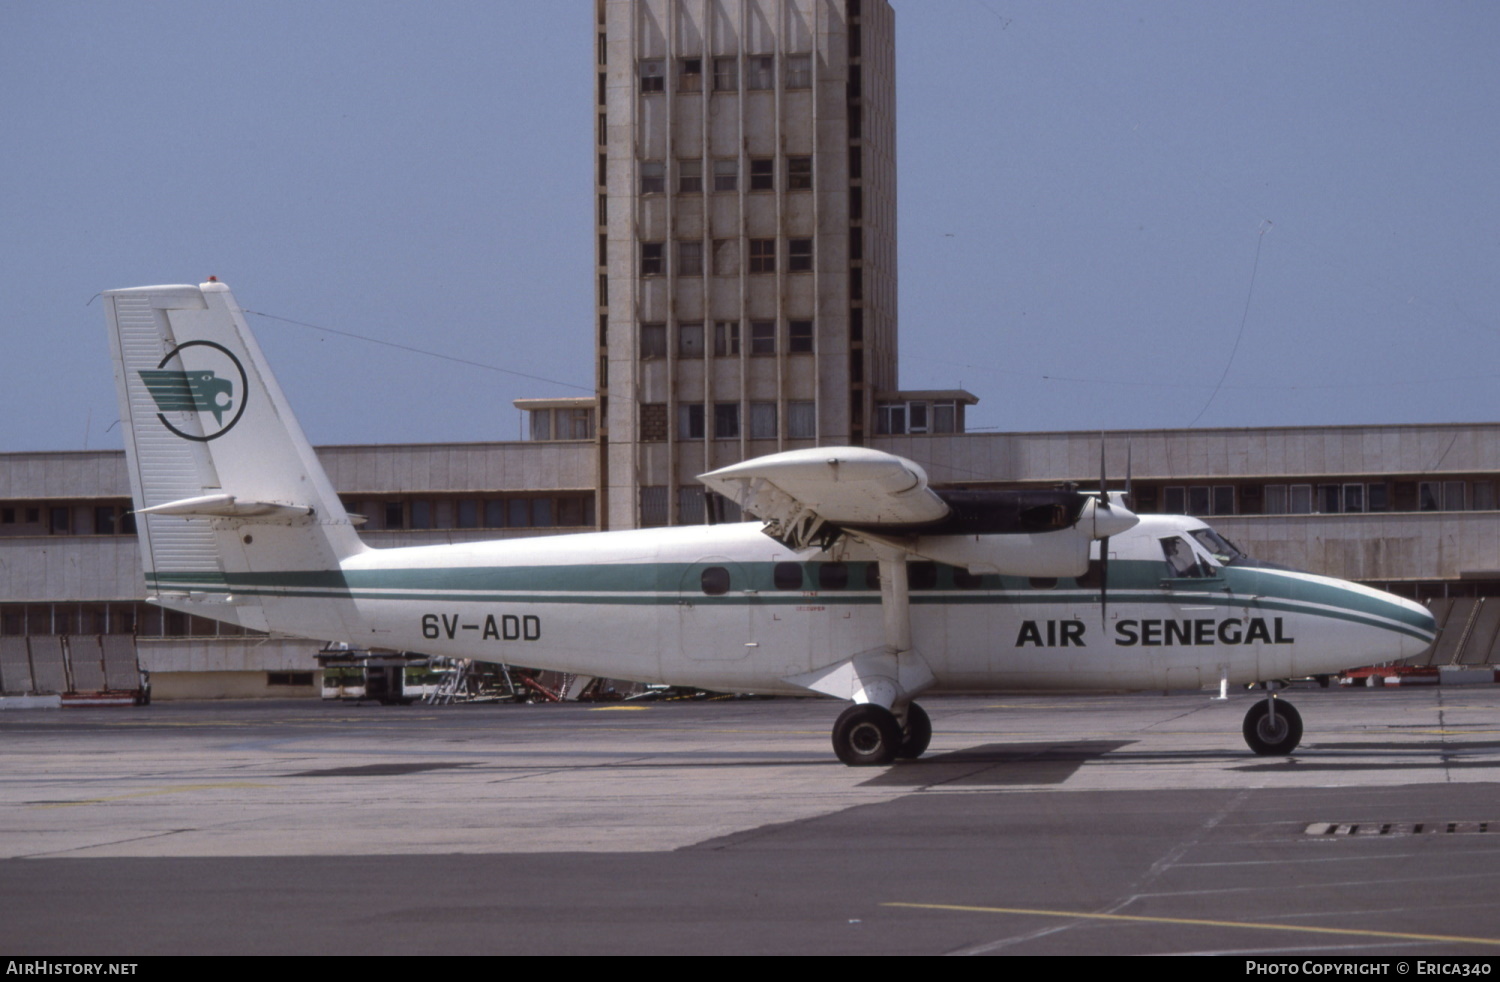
x: 1104, y: 542
x: 1110, y: 519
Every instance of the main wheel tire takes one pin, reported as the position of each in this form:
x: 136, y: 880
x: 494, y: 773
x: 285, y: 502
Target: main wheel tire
x: 1270, y: 736
x: 918, y: 733
x: 866, y: 735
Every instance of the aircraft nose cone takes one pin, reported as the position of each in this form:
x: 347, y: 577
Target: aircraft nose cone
x: 1420, y: 623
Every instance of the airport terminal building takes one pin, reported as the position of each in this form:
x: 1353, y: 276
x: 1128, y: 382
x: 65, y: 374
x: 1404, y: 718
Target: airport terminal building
x: 1408, y: 508
x: 745, y: 188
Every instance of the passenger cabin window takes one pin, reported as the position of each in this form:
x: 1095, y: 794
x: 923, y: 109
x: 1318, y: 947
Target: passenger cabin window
x: 921, y: 575
x: 965, y: 580
x: 788, y: 576
x: 715, y: 581
x: 833, y: 576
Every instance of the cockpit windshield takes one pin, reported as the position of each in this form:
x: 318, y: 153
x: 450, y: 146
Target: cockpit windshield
x: 1226, y: 552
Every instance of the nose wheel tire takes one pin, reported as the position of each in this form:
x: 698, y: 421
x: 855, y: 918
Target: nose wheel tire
x: 1270, y: 736
x: 918, y: 733
x: 867, y: 735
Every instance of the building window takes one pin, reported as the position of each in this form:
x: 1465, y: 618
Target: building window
x: 1199, y: 500
x: 541, y: 424
x: 763, y: 174
x: 799, y: 173
x: 653, y: 177
x: 653, y: 505
x: 763, y: 420
x: 690, y: 506
x: 762, y: 337
x: 653, y: 340
x: 690, y: 176
x: 726, y: 74
x: 726, y: 338
x: 1354, y: 497
x: 799, y: 336
x: 574, y: 424
x: 726, y: 257
x: 799, y: 255
x: 651, y: 259
x: 653, y: 75
x: 690, y: 340
x: 690, y: 259
x: 762, y: 255
x: 799, y: 71
x: 1275, y: 499
x: 690, y: 75
x: 1223, y: 499
x: 890, y: 418
x: 726, y: 175
x: 760, y: 72
x: 1301, y: 499
x: 726, y: 420
x: 690, y: 421
x: 1429, y: 496
x: 653, y: 422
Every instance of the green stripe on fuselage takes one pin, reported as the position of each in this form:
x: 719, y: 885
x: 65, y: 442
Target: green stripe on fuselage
x: 1130, y: 581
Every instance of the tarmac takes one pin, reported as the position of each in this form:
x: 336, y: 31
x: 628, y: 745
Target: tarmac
x: 1035, y: 824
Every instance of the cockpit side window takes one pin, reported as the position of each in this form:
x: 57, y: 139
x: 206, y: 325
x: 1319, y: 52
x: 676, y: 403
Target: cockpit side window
x: 1223, y: 551
x: 1182, y: 561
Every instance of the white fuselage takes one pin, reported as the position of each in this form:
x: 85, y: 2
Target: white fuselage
x: 726, y: 607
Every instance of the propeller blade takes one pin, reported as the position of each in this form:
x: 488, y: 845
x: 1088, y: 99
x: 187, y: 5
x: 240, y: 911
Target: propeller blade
x: 1104, y: 581
x: 1104, y: 542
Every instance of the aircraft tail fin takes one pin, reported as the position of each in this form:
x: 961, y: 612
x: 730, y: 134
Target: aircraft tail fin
x: 229, y: 497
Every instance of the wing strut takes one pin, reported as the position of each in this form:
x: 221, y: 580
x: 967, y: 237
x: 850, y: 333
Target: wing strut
x: 888, y: 676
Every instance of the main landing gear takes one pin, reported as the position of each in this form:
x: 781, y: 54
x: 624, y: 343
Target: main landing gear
x: 867, y: 735
x: 1273, y: 727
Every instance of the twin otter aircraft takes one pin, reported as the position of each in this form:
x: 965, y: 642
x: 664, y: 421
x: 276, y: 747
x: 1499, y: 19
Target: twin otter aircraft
x: 859, y: 582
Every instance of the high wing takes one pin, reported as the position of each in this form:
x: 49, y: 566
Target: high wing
x: 799, y: 492
x: 811, y: 496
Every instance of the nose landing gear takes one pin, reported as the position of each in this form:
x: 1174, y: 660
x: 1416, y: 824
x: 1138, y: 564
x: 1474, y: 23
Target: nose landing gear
x: 1273, y: 727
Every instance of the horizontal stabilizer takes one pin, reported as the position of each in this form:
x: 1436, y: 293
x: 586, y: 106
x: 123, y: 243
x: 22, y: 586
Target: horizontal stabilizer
x: 226, y: 506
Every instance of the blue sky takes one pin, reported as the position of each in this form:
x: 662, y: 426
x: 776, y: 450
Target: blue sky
x: 1104, y: 208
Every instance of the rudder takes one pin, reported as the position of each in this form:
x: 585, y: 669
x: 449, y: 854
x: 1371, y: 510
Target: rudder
x: 230, y: 498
